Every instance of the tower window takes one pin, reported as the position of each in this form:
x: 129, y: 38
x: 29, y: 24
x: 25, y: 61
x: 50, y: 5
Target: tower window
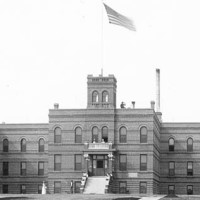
x: 105, y: 96
x: 95, y: 97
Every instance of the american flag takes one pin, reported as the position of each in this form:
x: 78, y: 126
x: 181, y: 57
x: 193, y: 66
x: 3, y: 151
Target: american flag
x: 118, y: 19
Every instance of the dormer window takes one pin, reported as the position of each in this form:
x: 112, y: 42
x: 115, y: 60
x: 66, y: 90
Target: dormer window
x: 95, y: 97
x: 105, y: 96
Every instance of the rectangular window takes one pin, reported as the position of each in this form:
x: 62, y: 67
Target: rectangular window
x: 171, y: 168
x: 40, y: 168
x: 5, y: 168
x: 122, y: 162
x: 190, y: 168
x: 77, y: 186
x: 22, y: 189
x: 23, y: 168
x: 57, y: 187
x: 122, y: 139
x: 143, y: 162
x: 143, y: 187
x: 5, y: 189
x: 171, y: 189
x: 78, y: 162
x: 78, y: 139
x: 40, y: 189
x: 57, y: 162
x: 189, y: 189
x: 122, y: 187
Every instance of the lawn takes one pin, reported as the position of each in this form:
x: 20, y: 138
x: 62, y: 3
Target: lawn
x: 66, y: 197
x: 88, y: 197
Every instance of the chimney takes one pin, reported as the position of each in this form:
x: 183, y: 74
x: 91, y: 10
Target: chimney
x: 56, y: 106
x: 133, y: 104
x: 153, y: 105
x: 157, y: 90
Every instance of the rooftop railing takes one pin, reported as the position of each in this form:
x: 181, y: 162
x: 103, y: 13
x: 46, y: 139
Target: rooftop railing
x: 95, y: 145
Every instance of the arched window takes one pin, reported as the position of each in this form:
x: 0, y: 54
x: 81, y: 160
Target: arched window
x: 95, y: 134
x: 105, y: 134
x: 78, y: 135
x: 105, y: 96
x: 190, y: 144
x: 95, y: 97
x: 143, y: 134
x: 41, y: 145
x: 23, y: 145
x: 57, y: 135
x: 122, y: 135
x: 171, y: 144
x: 5, y: 145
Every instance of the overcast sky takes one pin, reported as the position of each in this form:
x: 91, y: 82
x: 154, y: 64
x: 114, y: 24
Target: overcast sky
x: 48, y: 47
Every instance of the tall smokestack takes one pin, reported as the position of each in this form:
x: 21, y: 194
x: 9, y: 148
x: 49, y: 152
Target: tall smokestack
x: 158, y: 90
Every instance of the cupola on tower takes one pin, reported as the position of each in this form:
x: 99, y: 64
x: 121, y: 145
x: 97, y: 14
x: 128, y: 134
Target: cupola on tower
x: 101, y: 91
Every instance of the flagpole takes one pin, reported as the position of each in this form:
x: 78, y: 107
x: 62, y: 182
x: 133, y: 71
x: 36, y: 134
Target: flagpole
x: 102, y: 44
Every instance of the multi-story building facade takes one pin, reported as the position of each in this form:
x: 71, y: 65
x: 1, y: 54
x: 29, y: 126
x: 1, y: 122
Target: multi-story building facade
x: 140, y: 153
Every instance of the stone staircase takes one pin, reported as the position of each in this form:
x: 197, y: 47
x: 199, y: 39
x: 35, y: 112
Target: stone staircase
x: 95, y: 185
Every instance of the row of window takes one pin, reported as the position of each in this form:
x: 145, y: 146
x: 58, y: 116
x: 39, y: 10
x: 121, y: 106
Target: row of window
x: 23, y: 145
x: 189, y: 168
x: 104, y: 134
x: 23, y: 168
x: 77, y: 185
x: 171, y: 189
x: 95, y: 97
x: 122, y: 187
x: 122, y: 162
x: 77, y: 162
x: 5, y: 189
x: 189, y: 144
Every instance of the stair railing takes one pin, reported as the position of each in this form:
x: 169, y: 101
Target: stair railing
x: 83, y: 182
x: 108, y: 177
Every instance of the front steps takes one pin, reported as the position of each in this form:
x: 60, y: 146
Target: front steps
x: 95, y: 185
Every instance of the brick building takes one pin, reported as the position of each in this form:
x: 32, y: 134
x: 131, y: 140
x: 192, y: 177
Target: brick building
x: 130, y: 148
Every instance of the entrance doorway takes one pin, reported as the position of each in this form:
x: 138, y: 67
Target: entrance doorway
x: 98, y: 165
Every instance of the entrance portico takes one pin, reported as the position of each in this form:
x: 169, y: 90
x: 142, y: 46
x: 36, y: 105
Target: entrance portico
x: 98, y: 158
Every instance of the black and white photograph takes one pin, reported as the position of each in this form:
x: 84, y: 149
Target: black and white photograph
x: 100, y: 99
